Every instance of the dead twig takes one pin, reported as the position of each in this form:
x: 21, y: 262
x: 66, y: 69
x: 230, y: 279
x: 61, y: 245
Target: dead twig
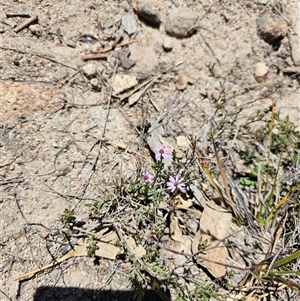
x: 11, y: 181
x: 15, y: 15
x: 100, y: 140
x: 25, y: 24
x: 149, y: 81
x: 3, y: 294
x: 19, y: 208
x: 125, y: 43
x: 94, y: 57
x: 127, y: 247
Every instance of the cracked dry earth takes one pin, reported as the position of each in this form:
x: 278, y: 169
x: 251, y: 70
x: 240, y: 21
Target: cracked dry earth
x: 69, y: 129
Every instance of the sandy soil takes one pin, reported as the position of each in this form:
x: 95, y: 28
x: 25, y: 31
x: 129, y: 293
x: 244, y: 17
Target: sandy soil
x: 66, y: 136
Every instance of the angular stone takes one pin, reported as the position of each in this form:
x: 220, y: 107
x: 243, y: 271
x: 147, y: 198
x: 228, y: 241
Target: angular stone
x: 144, y: 57
x: 36, y: 29
x: 90, y: 70
x: 123, y: 82
x: 148, y: 13
x: 168, y: 43
x: 181, y: 22
x: 271, y: 27
x: 129, y: 24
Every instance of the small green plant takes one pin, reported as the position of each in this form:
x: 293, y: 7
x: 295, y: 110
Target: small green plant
x: 211, y: 68
x: 91, y: 247
x: 201, y: 292
x: 155, y: 184
x: 68, y: 217
x: 96, y: 207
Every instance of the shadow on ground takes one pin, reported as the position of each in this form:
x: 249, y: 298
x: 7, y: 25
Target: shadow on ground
x: 46, y: 293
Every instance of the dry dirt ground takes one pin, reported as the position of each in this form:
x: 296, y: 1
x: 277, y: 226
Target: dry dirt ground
x: 66, y: 135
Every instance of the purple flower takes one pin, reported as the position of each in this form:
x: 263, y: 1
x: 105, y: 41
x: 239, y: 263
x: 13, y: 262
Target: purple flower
x: 162, y: 152
x: 175, y: 183
x: 147, y: 177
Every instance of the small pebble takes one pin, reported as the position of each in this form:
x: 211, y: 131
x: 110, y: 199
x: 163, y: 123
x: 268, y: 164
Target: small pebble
x: 181, y: 22
x: 36, y: 30
x: 90, y: 70
x: 71, y: 44
x: 129, y: 24
x: 261, y: 72
x: 168, y: 43
x: 95, y: 84
x: 263, y: 2
x: 148, y: 13
x: 108, y: 24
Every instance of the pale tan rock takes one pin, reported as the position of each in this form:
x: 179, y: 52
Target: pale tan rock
x: 90, y: 70
x: 184, y: 77
x: 261, y: 72
x: 271, y: 27
x: 95, y: 84
x: 36, y: 29
x: 124, y: 82
x: 181, y: 22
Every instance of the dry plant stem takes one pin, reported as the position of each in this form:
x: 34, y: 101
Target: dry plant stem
x: 14, y: 15
x: 109, y: 278
x: 228, y: 200
x: 149, y: 81
x: 130, y: 123
x: 16, y: 256
x: 121, y: 237
x: 25, y: 24
x: 68, y: 78
x: 125, y: 43
x: 19, y: 208
x: 94, y: 57
x: 11, y: 181
x: 100, y: 141
x: 5, y: 296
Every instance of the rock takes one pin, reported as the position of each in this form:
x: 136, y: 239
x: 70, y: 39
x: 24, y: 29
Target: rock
x: 23, y: 99
x: 271, y: 27
x: 126, y: 62
x: 107, y: 24
x: 183, y: 79
x: 36, y: 29
x: 181, y: 22
x: 291, y: 70
x: 295, y: 48
x: 147, y: 12
x: 263, y: 2
x: 168, y: 43
x: 71, y: 43
x: 90, y: 70
x: 183, y: 141
x: 123, y: 82
x: 95, y: 84
x: 261, y: 72
x: 144, y: 57
x: 129, y: 24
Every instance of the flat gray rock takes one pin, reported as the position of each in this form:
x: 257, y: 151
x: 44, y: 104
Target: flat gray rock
x: 181, y: 22
x: 148, y: 13
x: 129, y: 24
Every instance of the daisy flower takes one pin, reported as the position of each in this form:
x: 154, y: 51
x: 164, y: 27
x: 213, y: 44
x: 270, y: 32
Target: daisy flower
x: 147, y: 177
x: 162, y: 152
x: 175, y: 183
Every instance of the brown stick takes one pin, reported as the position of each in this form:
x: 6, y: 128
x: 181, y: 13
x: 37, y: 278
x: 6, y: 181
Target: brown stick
x: 94, y: 57
x: 25, y: 24
x: 118, y: 45
x: 14, y: 15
